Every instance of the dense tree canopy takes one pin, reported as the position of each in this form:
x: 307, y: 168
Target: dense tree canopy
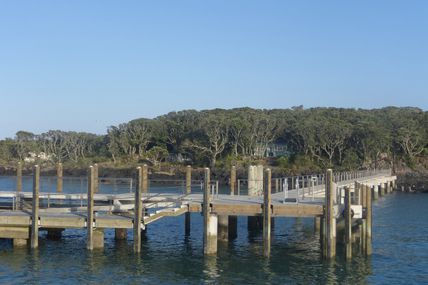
x: 343, y: 138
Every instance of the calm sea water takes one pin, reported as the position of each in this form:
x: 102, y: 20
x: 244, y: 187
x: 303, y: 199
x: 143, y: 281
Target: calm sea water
x: 400, y: 256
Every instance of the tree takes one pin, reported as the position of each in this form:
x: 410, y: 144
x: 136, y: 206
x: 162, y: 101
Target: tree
x: 211, y: 137
x: 157, y: 154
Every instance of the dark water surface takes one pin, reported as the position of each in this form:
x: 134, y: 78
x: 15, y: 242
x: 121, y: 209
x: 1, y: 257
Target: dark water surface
x: 400, y: 245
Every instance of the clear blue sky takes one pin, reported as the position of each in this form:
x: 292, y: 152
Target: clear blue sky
x: 85, y: 65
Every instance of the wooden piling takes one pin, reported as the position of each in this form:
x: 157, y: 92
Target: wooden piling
x: 210, y: 220
x: 96, y: 184
x: 223, y: 227
x: 187, y: 220
x: 120, y: 234
x: 267, y: 213
x: 188, y: 179
x: 348, y: 223
x: 232, y: 180
x: 357, y: 193
x: 59, y: 178
x: 233, y: 220
x: 255, y: 188
x: 54, y: 234
x: 364, y: 220
x: 90, y: 206
x: 19, y: 177
x: 384, y: 189
x: 375, y: 192
x: 330, y: 219
x: 368, y: 221
x: 35, y: 208
x: 98, y: 238
x: 145, y: 186
x: 323, y: 237
x: 138, y: 210
x: 317, y: 224
x: 388, y: 187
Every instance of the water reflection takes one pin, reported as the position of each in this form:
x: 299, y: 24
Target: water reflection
x: 170, y: 257
x: 211, y: 272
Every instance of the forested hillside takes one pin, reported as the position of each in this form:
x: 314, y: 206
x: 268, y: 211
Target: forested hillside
x: 309, y: 139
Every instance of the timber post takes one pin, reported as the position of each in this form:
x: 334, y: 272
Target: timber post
x: 368, y: 222
x: 255, y: 188
x: 120, y: 234
x: 388, y: 187
x: 54, y: 234
x: 187, y: 220
x: 19, y: 177
x: 59, y: 178
x: 382, y: 189
x: 138, y: 211
x: 35, y: 208
x: 210, y: 220
x: 267, y: 213
x: 375, y: 191
x: 233, y: 220
x: 364, y: 220
x: 348, y: 223
x: 357, y: 193
x: 96, y: 185
x: 223, y: 225
x: 330, y: 220
x: 90, y: 214
x: 317, y: 224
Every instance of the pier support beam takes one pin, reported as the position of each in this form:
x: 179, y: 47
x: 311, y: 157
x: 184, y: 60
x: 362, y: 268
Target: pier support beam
x: 138, y: 213
x: 388, y: 187
x: 368, y: 222
x: 35, y: 210
x: 317, y: 224
x: 363, y: 239
x: 210, y: 220
x: 187, y: 220
x: 19, y: 177
x: 375, y: 192
x: 90, y: 213
x: 348, y: 223
x: 267, y: 213
x: 96, y: 184
x: 59, y: 178
x: 54, y: 234
x: 382, y: 190
x: 120, y: 234
x: 255, y: 188
x: 223, y: 228
x: 233, y: 220
x: 98, y: 239
x: 330, y: 220
x: 20, y: 242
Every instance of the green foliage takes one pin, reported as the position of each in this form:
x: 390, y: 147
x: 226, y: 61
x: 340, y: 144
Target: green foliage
x: 314, y: 138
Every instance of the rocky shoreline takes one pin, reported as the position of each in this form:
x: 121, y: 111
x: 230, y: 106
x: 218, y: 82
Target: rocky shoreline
x: 412, y: 182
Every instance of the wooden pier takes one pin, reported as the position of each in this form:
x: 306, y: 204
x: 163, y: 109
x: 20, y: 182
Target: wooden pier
x: 334, y: 200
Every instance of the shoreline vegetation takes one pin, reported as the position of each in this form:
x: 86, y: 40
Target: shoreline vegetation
x: 293, y: 141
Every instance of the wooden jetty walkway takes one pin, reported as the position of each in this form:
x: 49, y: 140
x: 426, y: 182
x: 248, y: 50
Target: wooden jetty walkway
x: 338, y: 202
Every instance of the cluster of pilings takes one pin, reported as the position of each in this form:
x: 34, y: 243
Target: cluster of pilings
x: 342, y: 206
x: 95, y: 236
x: 347, y: 201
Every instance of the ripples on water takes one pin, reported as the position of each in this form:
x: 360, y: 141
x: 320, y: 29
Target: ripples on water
x: 400, y: 243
